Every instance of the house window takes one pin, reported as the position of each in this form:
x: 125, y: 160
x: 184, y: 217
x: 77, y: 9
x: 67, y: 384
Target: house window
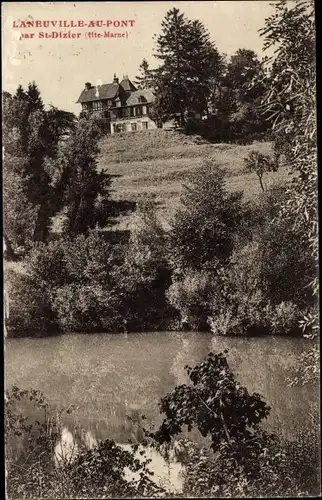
x: 145, y: 125
x: 131, y: 111
x: 119, y: 127
x: 142, y: 98
x: 138, y: 111
x: 144, y: 110
x: 97, y: 105
x: 134, y: 127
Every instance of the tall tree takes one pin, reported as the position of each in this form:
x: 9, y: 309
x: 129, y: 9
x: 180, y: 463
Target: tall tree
x: 85, y: 190
x: 290, y: 103
x: 246, y: 82
x: 188, y: 61
x: 31, y: 135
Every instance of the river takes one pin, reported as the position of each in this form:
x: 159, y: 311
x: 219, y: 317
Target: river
x: 111, y: 376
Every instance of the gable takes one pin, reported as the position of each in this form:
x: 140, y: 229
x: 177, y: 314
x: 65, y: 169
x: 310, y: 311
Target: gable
x: 135, y: 97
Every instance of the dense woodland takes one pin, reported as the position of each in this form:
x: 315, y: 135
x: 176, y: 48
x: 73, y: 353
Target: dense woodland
x: 227, y: 266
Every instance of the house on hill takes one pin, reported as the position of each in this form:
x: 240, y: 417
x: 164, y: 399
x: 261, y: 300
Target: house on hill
x: 122, y: 104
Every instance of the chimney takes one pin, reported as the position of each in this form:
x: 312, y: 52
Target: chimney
x: 116, y: 80
x: 88, y: 86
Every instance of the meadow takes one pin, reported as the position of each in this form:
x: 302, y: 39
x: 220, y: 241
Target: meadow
x: 155, y: 165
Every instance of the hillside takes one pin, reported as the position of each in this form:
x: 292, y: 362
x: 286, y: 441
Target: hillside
x: 155, y: 164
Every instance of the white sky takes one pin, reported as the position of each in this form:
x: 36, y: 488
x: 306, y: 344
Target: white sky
x: 60, y: 67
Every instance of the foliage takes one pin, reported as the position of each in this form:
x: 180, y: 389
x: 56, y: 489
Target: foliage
x: 84, y: 189
x: 218, y: 406
x: 20, y: 215
x: 203, y: 229
x: 287, y: 265
x: 189, y: 60
x: 243, y: 460
x: 145, y: 275
x: 290, y: 103
x: 246, y: 84
x: 30, y: 307
x: 93, y: 285
x: 76, y: 273
x: 31, y: 136
x: 191, y: 295
x: 146, y: 79
x: 259, y: 164
x: 101, y: 471
x: 286, y: 469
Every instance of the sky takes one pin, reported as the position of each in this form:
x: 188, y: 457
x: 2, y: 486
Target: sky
x: 60, y: 67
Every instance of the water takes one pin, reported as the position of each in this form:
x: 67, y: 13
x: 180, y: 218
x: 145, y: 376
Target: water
x: 111, y: 376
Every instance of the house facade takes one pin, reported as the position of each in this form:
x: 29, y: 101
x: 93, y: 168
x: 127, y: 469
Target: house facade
x: 125, y: 107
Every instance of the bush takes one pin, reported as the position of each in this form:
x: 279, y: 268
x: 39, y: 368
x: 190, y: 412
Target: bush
x: 145, y: 275
x: 203, y: 229
x: 31, y: 313
x: 94, y: 286
x: 287, y: 265
x: 191, y: 296
x: 243, y: 460
x: 243, y: 306
x: 98, y: 472
x: 77, y: 274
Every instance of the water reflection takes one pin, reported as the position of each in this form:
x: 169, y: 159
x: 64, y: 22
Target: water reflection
x: 166, y: 473
x: 110, y: 376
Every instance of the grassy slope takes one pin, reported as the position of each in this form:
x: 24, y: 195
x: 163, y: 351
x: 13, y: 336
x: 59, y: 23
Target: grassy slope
x: 156, y: 164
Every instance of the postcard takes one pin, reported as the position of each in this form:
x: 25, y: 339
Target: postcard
x: 161, y: 333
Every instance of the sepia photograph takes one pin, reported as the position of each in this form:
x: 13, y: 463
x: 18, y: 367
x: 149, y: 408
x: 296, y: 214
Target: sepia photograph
x: 160, y: 250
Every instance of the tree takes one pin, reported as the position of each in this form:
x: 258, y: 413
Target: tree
x: 33, y: 97
x: 244, y: 460
x: 221, y: 408
x: 203, y: 230
x: 290, y: 103
x: 246, y: 80
x: 31, y: 136
x: 20, y: 216
x: 85, y: 190
x: 187, y: 62
x: 259, y: 164
x: 146, y: 79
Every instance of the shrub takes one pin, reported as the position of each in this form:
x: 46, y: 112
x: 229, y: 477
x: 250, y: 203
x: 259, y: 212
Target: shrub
x: 287, y: 265
x: 243, y: 460
x: 96, y: 286
x: 145, y: 275
x: 191, y: 296
x: 99, y: 472
x: 77, y: 274
x: 239, y: 310
x: 284, y: 318
x: 203, y: 229
x: 30, y: 313
x: 218, y: 406
x: 244, y: 306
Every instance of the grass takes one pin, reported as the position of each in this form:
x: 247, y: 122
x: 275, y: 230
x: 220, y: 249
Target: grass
x: 155, y: 165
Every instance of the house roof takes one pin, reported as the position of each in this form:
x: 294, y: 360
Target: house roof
x: 127, y: 85
x: 134, y: 98
x: 106, y: 91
